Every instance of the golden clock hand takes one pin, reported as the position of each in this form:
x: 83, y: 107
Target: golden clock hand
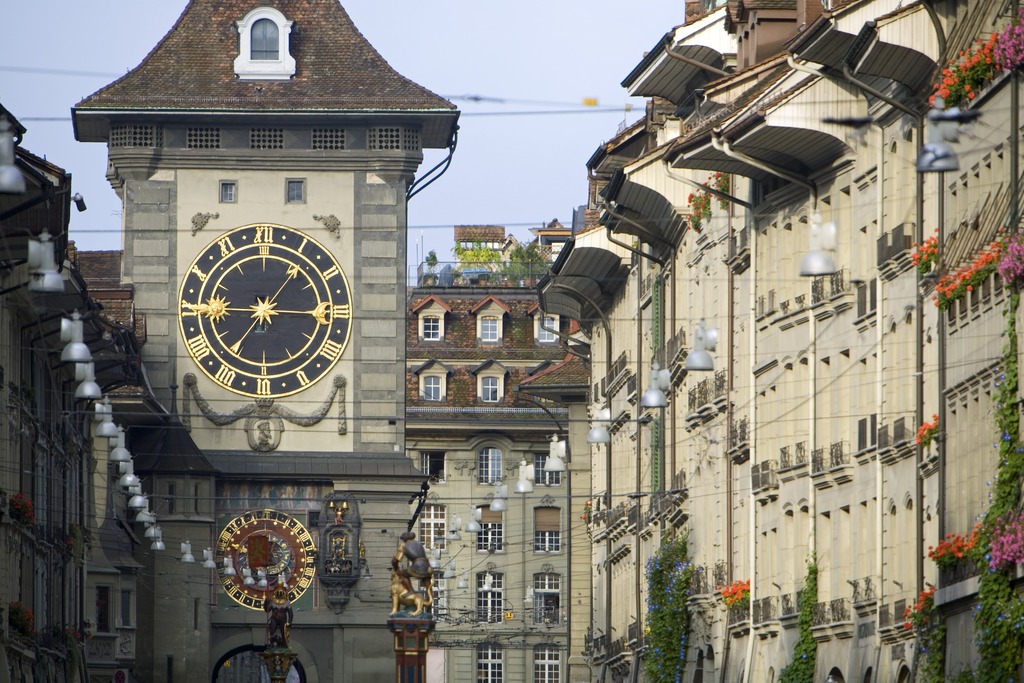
x: 263, y: 309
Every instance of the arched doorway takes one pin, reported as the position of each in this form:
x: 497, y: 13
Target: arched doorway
x: 904, y: 674
x: 243, y: 665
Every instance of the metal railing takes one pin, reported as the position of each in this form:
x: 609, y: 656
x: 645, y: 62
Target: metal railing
x: 791, y: 604
x: 478, y: 274
x: 863, y: 590
x: 763, y: 476
x: 764, y: 610
x: 818, y: 460
x: 838, y: 454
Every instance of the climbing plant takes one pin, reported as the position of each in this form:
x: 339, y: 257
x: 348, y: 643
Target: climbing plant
x: 1000, y: 614
x: 801, y: 669
x: 669, y: 577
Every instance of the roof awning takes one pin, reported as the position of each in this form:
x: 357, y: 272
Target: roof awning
x: 784, y: 129
x: 582, y: 282
x: 644, y: 212
x: 829, y: 41
x: 661, y: 75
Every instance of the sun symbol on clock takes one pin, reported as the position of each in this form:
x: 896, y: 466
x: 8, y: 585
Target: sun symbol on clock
x: 215, y: 308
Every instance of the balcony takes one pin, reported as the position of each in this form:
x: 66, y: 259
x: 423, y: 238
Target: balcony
x: 764, y: 481
x: 721, y: 574
x: 832, y: 619
x: 700, y: 584
x: 738, y: 618
x: 765, y: 610
x: 766, y: 304
x: 834, y: 288
x: 894, y: 250
x: 896, y: 440
x: 789, y: 608
x: 739, y: 440
x: 863, y: 592
x: 738, y: 258
x: 616, y: 377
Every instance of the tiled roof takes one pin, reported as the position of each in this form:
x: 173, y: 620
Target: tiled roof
x: 192, y: 67
x: 570, y: 372
x: 479, y: 233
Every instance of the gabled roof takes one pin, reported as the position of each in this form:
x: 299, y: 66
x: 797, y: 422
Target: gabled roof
x: 429, y: 364
x: 487, y: 364
x: 192, y: 68
x: 426, y: 301
x: 487, y: 301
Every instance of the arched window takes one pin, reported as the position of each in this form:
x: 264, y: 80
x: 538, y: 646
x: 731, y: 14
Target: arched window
x: 264, y: 51
x: 264, y: 44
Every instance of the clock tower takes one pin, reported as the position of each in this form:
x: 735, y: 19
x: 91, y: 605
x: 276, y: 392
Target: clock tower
x: 263, y: 152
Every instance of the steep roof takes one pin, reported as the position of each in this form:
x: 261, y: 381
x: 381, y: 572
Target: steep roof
x: 337, y: 70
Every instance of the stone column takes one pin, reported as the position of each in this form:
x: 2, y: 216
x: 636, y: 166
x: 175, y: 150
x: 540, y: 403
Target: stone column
x: 411, y: 645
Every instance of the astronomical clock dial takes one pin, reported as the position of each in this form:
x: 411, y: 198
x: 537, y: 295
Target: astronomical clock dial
x: 269, y: 540
x: 265, y: 311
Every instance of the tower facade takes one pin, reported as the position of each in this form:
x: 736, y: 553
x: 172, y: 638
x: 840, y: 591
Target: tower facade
x: 263, y: 153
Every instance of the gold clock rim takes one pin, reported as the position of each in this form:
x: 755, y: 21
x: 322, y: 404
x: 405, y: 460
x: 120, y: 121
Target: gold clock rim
x: 299, y: 584
x: 181, y: 320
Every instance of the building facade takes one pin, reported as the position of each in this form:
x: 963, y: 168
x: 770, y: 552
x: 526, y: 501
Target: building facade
x: 264, y: 152
x: 835, y: 380
x: 488, y: 384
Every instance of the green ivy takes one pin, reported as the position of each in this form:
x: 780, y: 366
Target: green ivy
x: 999, y: 619
x: 801, y: 669
x: 669, y: 577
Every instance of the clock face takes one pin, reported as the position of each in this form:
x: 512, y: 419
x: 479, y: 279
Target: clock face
x: 265, y: 310
x: 269, y: 540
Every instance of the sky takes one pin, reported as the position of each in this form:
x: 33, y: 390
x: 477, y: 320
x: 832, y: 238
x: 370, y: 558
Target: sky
x: 522, y: 151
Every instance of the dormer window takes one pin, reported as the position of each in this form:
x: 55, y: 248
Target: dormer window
x: 264, y: 45
x: 430, y: 313
x: 263, y: 52
x: 490, y: 314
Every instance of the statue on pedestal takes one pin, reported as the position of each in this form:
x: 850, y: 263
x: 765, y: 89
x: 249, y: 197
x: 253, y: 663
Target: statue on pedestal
x: 408, y: 563
x: 279, y: 616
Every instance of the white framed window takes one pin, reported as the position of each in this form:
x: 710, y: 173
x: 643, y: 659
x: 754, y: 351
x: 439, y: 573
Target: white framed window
x: 491, y: 537
x: 490, y: 329
x: 433, y: 526
x: 490, y: 598
x: 546, y: 664
x: 547, y: 608
x: 488, y: 465
x: 264, y: 46
x: 431, y: 327
x: 228, y: 191
x: 541, y: 477
x: 432, y: 464
x: 295, y: 191
x: 490, y: 389
x: 490, y: 667
x: 547, y: 530
x: 432, y: 387
x: 544, y: 336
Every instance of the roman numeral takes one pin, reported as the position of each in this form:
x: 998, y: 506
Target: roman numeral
x: 198, y: 347
x: 301, y: 376
x: 199, y: 274
x: 263, y: 386
x: 264, y: 250
x: 225, y: 375
x: 331, y: 349
x: 225, y: 246
x: 188, y: 308
x: 341, y: 312
x: 331, y: 272
x: 264, y: 234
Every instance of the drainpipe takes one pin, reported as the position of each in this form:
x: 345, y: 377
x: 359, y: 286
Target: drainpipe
x: 608, y: 457
x: 725, y: 147
x: 918, y: 314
